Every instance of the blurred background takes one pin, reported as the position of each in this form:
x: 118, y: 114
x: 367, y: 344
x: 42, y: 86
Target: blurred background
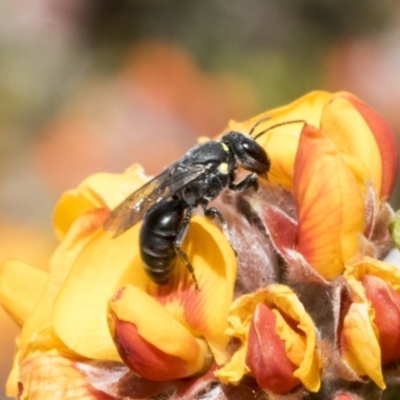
x: 96, y: 85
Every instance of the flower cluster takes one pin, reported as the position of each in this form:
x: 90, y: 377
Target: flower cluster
x: 294, y: 298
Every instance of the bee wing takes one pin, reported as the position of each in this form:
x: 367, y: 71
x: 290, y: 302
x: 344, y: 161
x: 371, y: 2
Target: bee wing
x: 164, y: 185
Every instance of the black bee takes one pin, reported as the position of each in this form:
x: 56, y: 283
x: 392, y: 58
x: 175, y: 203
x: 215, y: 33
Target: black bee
x: 167, y: 202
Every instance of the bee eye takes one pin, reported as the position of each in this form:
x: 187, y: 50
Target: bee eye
x: 255, y: 151
x: 253, y: 157
x: 248, y: 152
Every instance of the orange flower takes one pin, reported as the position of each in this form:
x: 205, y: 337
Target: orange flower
x: 266, y: 354
x: 66, y: 313
x: 96, y: 310
x: 363, y: 137
x: 329, y: 224
x: 277, y: 341
x: 371, y: 327
x: 386, y: 303
x: 179, y: 323
x: 344, y: 152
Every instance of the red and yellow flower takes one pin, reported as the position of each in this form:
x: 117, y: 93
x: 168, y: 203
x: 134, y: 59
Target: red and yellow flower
x: 362, y: 136
x: 175, y: 331
x: 278, y: 341
x: 370, y: 336
x: 95, y: 304
x: 340, y: 165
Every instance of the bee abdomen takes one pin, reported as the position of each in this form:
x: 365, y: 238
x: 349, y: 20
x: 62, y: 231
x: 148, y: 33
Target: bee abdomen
x: 158, y: 260
x: 157, y: 239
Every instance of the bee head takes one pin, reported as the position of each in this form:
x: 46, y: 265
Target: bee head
x: 250, y: 155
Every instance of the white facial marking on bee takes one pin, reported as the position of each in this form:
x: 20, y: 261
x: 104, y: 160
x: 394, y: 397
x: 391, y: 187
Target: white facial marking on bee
x: 223, y: 168
x: 225, y: 147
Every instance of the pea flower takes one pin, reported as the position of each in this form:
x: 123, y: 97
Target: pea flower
x: 344, y: 119
x: 370, y: 334
x: 278, y: 341
x: 344, y: 150
x: 295, y: 299
x: 332, y: 170
x: 92, y: 282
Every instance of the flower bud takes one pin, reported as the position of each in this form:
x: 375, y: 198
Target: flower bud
x: 266, y: 355
x: 152, y: 342
x: 386, y: 303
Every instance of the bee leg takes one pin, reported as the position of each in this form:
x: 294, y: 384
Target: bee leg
x: 249, y: 181
x: 183, y: 256
x: 212, y: 213
x: 177, y: 244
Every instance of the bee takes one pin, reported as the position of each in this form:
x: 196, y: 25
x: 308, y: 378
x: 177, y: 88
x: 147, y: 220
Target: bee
x: 166, y: 203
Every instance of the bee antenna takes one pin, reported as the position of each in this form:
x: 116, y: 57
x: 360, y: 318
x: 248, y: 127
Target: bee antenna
x: 295, y: 121
x: 258, y: 123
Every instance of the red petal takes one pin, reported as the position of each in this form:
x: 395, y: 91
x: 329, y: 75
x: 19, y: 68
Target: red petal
x: 282, y: 229
x: 386, y: 303
x: 144, y: 358
x: 266, y: 355
x: 385, y: 140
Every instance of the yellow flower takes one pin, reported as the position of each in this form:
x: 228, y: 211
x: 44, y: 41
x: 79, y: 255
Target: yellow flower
x: 329, y: 224
x: 33, y: 309
x: 371, y: 326
x: 97, y: 311
x: 344, y: 152
x: 178, y: 320
x: 363, y: 137
x: 278, y: 340
x: 66, y: 312
x: 93, y: 193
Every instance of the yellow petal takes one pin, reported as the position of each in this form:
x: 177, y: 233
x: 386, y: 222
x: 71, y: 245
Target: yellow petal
x: 329, y: 203
x: 38, y: 331
x: 20, y: 288
x: 281, y: 142
x: 152, y: 324
x: 71, y: 205
x: 358, y: 267
x: 235, y: 369
x: 385, y: 139
x: 361, y: 349
x: 295, y: 344
x: 214, y: 265
x: 80, y: 308
x: 355, y: 140
x: 105, y: 264
x: 281, y: 298
x: 301, y: 353
x: 98, y: 190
